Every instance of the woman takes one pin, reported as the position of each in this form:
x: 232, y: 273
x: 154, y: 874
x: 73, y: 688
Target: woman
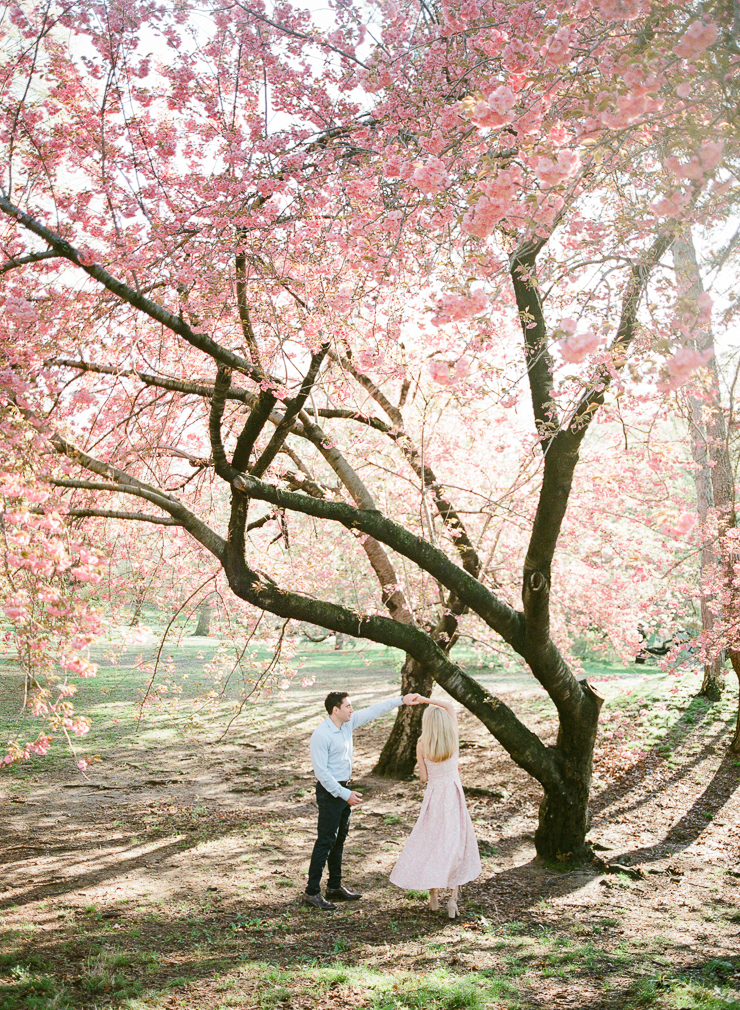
x: 442, y: 850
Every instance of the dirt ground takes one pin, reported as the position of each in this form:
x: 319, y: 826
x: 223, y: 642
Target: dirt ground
x: 227, y: 831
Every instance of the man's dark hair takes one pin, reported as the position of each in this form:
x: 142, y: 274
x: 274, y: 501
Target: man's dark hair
x: 334, y: 700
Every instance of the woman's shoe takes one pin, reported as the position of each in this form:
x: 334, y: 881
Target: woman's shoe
x: 452, y: 904
x: 433, y: 902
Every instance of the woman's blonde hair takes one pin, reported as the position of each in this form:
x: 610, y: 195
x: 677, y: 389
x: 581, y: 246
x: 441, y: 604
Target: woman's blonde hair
x: 438, y: 734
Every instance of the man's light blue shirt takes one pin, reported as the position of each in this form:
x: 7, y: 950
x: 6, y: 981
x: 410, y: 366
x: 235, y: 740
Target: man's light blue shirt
x: 331, y: 747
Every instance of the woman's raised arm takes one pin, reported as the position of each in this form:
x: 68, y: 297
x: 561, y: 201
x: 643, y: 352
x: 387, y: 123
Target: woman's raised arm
x: 446, y: 705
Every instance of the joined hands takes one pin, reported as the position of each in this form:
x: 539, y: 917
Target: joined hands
x: 415, y: 699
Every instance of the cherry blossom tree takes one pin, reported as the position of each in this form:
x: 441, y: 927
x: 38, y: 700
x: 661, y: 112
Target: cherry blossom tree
x: 295, y: 292
x: 50, y: 623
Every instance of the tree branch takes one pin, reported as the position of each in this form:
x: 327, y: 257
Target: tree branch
x: 292, y: 409
x: 499, y: 616
x: 122, y: 482
x: 141, y: 517
x: 218, y: 402
x: 531, y: 316
x: 19, y: 261
x: 626, y: 333
x: 299, y: 35
x: 127, y: 294
x: 449, y: 516
x: 205, y: 390
x: 244, y: 315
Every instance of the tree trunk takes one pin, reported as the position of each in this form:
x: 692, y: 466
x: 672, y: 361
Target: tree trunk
x: 564, y: 816
x: 709, y: 450
x: 139, y: 598
x: 564, y: 820
x: 714, y: 680
x: 205, y: 613
x: 398, y: 757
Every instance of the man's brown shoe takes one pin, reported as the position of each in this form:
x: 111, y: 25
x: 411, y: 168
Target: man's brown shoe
x: 318, y: 902
x: 342, y: 894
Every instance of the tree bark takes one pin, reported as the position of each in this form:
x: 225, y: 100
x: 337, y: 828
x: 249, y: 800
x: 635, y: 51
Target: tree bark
x: 398, y: 758
x: 564, y: 815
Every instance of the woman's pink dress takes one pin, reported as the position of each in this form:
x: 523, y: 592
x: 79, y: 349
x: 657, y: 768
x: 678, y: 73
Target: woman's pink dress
x: 442, y: 850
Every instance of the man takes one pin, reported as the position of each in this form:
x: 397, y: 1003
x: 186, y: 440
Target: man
x: 331, y: 757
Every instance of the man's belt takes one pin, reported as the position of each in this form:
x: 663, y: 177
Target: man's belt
x: 347, y: 784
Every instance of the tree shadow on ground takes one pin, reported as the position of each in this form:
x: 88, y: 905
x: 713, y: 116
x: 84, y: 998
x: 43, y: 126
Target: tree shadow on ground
x: 651, y: 777
x: 119, y: 867
x: 724, y: 783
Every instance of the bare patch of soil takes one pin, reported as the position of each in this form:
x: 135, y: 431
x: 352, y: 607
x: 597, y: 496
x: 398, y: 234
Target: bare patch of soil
x: 198, y: 857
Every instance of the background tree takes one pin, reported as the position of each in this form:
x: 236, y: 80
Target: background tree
x: 231, y: 228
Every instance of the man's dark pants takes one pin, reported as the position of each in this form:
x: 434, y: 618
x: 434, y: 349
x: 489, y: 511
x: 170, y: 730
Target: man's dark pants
x: 333, y: 827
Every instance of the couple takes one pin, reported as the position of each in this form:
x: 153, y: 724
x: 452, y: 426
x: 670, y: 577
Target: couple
x: 441, y: 850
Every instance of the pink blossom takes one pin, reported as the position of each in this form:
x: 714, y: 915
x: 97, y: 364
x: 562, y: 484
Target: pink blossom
x: 518, y: 56
x: 79, y: 726
x: 502, y: 99
x: 440, y: 371
x: 342, y: 299
x: 83, y: 575
x: 449, y: 117
x: 698, y: 37
x: 496, y: 111
x: 705, y: 303
x: 461, y: 368
x: 683, y: 364
x: 15, y: 608
x: 577, y: 346
x: 431, y: 177
x: 23, y: 312
x: 699, y: 165
x: 550, y: 173
x: 670, y: 206
x: 684, y: 524
x: 447, y: 373
x: 711, y: 154
x: 88, y: 558
x: 557, y: 51
x: 453, y: 307
x: 629, y: 109
x: 36, y: 494
x: 392, y: 168
x: 684, y: 90
x: 76, y: 664
x: 620, y: 10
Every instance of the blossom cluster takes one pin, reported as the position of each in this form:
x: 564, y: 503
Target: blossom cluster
x: 453, y: 307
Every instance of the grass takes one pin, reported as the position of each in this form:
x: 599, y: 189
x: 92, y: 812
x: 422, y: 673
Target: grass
x: 128, y: 978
